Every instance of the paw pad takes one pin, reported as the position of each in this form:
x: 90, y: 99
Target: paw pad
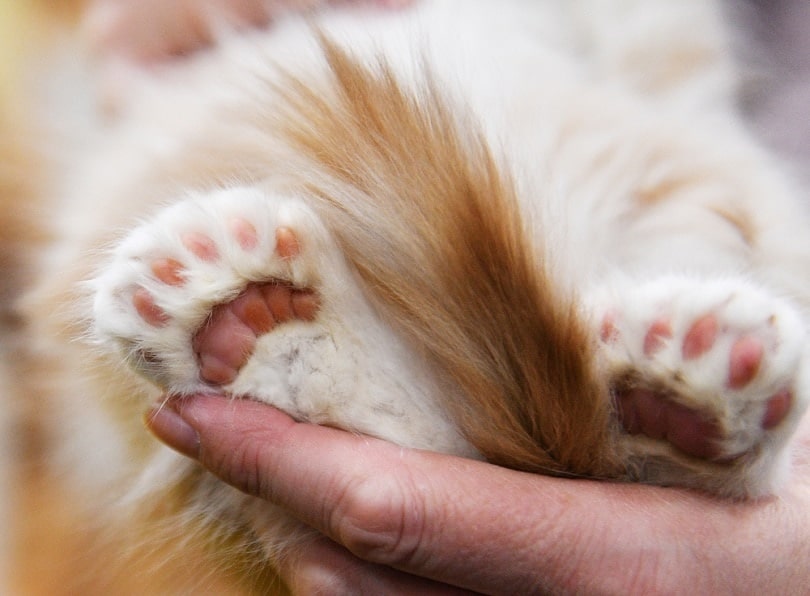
x: 226, y: 341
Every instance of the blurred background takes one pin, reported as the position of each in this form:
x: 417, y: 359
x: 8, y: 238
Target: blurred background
x: 774, y: 45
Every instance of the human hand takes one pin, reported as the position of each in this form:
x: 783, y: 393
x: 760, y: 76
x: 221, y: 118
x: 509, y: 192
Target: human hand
x: 406, y: 521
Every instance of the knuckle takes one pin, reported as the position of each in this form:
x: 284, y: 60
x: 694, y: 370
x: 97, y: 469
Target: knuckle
x: 381, y: 520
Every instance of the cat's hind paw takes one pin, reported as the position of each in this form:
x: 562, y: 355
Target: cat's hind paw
x: 715, y: 369
x: 187, y: 294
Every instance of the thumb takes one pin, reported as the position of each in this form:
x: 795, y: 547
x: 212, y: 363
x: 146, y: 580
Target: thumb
x: 253, y: 447
x: 350, y: 487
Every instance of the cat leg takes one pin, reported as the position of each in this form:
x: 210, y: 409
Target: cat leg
x: 245, y: 292
x: 709, y: 380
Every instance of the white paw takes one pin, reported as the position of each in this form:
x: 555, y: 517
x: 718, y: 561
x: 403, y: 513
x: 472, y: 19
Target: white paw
x: 715, y: 368
x: 157, y: 298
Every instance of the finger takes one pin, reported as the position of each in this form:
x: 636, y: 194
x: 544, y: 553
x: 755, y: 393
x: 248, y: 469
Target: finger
x: 474, y: 525
x: 321, y: 567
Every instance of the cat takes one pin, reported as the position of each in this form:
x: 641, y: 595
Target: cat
x: 532, y: 232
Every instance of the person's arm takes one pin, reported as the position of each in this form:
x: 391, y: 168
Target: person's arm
x: 488, y: 529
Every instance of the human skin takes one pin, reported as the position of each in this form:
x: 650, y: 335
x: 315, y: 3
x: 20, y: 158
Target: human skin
x: 397, y: 518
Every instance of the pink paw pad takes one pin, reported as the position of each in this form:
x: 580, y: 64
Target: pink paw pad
x: 201, y: 246
x: 777, y: 409
x: 287, y: 245
x: 244, y: 232
x: 224, y: 344
x: 643, y: 411
x: 700, y: 337
x: 168, y: 271
x: 744, y: 361
x: 695, y: 433
x: 146, y: 308
x: 657, y: 335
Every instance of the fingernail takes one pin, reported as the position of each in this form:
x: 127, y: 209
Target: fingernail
x: 168, y: 426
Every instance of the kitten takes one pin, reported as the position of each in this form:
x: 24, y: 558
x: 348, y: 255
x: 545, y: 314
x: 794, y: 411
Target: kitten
x: 531, y: 232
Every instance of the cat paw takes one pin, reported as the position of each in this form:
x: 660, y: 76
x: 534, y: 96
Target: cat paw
x: 187, y: 294
x: 714, y: 369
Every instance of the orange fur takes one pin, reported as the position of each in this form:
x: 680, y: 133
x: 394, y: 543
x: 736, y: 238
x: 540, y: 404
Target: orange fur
x: 438, y: 238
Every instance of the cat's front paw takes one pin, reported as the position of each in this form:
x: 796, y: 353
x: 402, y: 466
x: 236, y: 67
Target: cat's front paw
x: 715, y: 369
x: 187, y: 294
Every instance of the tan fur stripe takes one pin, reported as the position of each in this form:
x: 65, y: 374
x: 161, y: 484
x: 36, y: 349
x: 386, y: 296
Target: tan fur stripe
x: 431, y: 222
